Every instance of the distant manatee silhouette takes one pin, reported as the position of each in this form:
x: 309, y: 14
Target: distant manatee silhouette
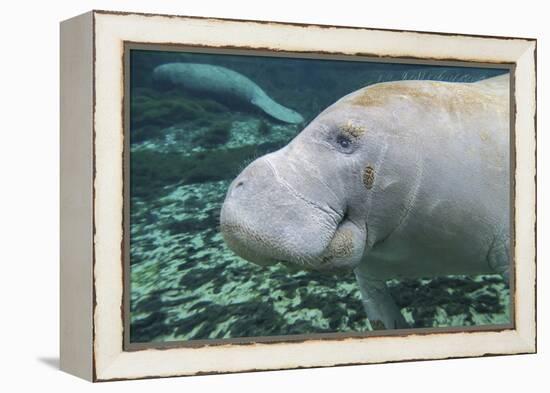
x: 225, y: 84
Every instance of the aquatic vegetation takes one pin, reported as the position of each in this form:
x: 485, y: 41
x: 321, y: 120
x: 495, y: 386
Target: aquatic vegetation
x: 190, y: 225
x: 217, y: 134
x: 146, y: 133
x: 162, y: 111
x: 151, y: 111
x: 457, y: 295
x: 263, y: 127
x: 151, y: 171
x: 213, y: 106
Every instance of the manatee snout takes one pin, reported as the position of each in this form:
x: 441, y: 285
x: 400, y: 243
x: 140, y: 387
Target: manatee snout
x: 266, y: 219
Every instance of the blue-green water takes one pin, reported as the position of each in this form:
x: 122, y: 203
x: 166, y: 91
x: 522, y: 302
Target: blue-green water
x: 185, y: 150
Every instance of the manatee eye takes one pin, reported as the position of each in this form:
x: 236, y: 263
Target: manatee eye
x: 343, y: 141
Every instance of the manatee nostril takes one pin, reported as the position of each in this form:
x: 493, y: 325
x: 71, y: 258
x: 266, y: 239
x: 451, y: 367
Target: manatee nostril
x: 238, y: 187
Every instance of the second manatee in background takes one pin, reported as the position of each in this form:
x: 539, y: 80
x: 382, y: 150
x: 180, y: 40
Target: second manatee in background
x: 224, y: 84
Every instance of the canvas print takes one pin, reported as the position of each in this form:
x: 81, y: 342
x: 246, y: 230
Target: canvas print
x: 274, y: 196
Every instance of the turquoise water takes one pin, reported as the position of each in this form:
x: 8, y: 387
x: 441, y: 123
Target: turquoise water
x: 185, y: 149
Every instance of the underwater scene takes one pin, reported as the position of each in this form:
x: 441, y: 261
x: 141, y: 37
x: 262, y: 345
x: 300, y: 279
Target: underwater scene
x: 196, y: 121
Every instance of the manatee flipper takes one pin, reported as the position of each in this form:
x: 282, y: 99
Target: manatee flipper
x: 276, y: 110
x: 379, y: 305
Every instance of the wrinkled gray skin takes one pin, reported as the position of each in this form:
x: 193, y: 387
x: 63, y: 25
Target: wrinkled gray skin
x: 396, y: 180
x: 225, y: 84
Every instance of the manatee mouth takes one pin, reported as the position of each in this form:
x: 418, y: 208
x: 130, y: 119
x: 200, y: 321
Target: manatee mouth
x: 341, y: 248
x: 240, y: 238
x: 345, y: 250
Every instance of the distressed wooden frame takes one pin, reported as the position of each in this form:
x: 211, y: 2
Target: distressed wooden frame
x: 92, y: 199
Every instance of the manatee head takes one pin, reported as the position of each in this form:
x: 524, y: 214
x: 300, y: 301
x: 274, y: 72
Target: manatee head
x: 306, y: 204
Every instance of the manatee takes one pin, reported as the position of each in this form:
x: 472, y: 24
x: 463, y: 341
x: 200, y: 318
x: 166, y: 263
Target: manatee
x: 402, y: 179
x: 225, y: 85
